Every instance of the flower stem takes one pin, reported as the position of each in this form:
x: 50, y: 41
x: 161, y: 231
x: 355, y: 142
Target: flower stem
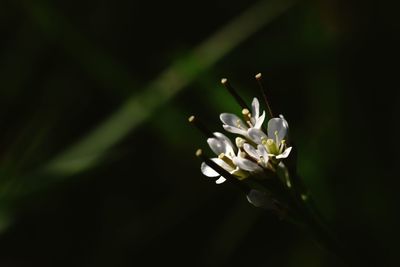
x: 264, y: 94
x: 314, y: 222
x: 235, y: 95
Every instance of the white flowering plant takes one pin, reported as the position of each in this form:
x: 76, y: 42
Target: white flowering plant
x: 261, y: 162
x: 256, y: 156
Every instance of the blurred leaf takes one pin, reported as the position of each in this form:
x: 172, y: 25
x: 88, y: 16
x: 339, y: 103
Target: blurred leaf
x: 139, y: 107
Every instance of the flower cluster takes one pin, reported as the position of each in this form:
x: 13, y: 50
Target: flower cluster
x: 254, y: 150
x: 256, y: 164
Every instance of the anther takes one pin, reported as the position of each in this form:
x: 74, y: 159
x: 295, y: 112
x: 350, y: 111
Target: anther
x: 270, y: 142
x: 247, y: 116
x: 239, y: 142
x: 224, y: 82
x: 264, y: 141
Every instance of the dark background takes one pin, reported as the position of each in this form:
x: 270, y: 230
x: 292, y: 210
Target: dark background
x: 132, y: 193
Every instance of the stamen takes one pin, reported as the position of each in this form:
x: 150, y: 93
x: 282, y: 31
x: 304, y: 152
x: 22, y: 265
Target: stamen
x: 227, y: 160
x: 276, y: 137
x: 264, y: 94
x: 200, y: 126
x: 264, y: 141
x: 238, y: 124
x: 282, y: 146
x: 233, y: 92
x: 246, y: 112
x: 271, y: 146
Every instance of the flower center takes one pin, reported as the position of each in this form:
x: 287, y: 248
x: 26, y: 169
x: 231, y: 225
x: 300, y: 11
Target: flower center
x: 274, y: 146
x: 271, y: 146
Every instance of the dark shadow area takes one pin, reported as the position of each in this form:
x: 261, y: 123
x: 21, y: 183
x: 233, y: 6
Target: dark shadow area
x: 330, y: 67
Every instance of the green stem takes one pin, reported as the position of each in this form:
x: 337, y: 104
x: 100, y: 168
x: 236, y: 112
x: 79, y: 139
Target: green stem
x: 314, y: 223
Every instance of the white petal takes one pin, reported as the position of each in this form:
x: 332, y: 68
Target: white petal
x: 256, y: 135
x: 262, y: 151
x: 220, y: 180
x: 285, y: 153
x: 255, y: 108
x: 251, y: 151
x: 246, y: 165
x: 235, y: 130
x: 217, y: 146
x: 223, y: 137
x: 221, y: 144
x: 232, y: 120
x: 277, y: 125
x: 229, y: 147
x: 208, y: 171
x: 260, y: 121
x: 285, y: 123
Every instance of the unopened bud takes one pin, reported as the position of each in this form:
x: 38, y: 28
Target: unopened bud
x: 199, y: 152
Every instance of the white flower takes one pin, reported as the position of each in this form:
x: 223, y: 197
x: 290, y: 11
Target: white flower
x: 260, y: 154
x: 274, y: 142
x: 234, y: 124
x: 245, y: 164
x: 236, y: 165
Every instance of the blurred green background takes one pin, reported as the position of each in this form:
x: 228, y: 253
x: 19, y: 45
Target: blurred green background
x: 97, y: 164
